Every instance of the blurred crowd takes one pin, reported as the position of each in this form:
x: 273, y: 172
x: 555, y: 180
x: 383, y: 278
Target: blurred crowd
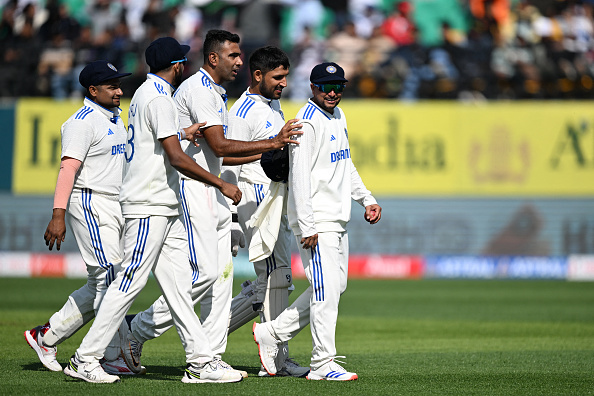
x: 406, y: 49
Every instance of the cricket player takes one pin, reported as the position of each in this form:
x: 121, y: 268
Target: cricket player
x: 87, y: 192
x: 257, y: 115
x: 154, y: 236
x: 201, y: 98
x: 322, y: 182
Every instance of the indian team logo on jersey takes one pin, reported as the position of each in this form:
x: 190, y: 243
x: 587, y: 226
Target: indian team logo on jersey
x: 112, y: 67
x: 331, y: 69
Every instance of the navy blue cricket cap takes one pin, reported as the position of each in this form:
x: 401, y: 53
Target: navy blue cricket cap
x: 161, y: 52
x: 97, y: 72
x: 327, y: 72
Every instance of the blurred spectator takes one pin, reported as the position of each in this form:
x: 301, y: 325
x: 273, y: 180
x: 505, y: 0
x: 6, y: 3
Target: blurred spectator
x: 56, y: 67
x: 444, y: 49
x: 305, y: 55
x: 346, y: 48
x: 59, y: 21
x: 368, y: 22
x: 399, y: 26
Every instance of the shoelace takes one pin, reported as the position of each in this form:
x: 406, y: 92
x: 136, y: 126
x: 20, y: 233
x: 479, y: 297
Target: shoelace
x: 291, y: 362
x: 136, y: 347
x: 335, y: 361
x: 221, y: 363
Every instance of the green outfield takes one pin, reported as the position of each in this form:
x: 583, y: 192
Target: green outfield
x: 428, y: 337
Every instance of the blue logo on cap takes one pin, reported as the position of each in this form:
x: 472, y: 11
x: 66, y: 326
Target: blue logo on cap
x: 112, y: 67
x: 331, y: 69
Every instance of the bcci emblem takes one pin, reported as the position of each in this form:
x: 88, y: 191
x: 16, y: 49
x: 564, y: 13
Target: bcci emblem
x: 331, y: 69
x: 112, y: 67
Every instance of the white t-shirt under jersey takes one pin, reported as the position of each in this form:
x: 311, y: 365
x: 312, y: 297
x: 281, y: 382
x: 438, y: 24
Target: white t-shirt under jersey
x: 151, y: 184
x: 200, y: 99
x: 322, y: 177
x: 96, y: 136
x: 253, y: 117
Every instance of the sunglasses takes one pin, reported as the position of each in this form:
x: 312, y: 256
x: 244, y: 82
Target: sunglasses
x: 327, y: 88
x: 183, y: 61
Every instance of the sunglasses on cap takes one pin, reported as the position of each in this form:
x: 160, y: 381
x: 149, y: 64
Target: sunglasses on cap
x: 327, y: 88
x: 183, y: 61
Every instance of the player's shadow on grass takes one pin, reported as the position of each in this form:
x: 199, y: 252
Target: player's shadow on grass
x: 34, y: 367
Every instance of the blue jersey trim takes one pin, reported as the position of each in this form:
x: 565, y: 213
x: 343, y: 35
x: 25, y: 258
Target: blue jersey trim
x: 85, y: 111
x: 95, y: 236
x: 137, y: 254
x: 318, y: 275
x: 247, y: 104
x: 310, y: 111
x: 190, y: 232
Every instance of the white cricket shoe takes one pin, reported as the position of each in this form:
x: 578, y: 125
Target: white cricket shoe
x: 131, y: 351
x: 331, y: 371
x: 226, y: 365
x: 267, y: 347
x: 211, y: 372
x: 119, y: 367
x: 46, y: 354
x: 90, y: 372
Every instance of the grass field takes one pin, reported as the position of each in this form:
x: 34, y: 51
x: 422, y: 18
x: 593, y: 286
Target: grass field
x: 428, y: 337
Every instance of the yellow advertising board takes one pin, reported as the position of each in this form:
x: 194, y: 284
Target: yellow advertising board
x: 37, y: 149
x: 401, y: 149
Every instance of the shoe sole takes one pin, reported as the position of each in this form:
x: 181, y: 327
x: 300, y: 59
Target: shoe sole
x: 260, y: 351
x: 33, y: 344
x: 187, y: 380
x: 135, y: 367
x: 128, y: 372
x: 71, y: 373
x: 315, y: 377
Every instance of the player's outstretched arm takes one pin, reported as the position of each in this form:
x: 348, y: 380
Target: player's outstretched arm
x: 223, y: 147
x: 373, y: 213
x: 188, y: 167
x: 285, y: 136
x: 193, y: 132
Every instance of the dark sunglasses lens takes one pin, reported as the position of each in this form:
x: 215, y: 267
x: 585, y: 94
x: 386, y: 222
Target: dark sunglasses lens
x: 327, y: 88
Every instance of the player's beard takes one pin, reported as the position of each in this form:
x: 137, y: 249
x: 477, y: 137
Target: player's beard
x: 177, y: 80
x: 268, y: 91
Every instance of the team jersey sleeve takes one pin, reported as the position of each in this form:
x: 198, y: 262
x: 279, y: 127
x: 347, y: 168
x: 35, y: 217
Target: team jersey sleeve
x: 300, y: 157
x: 77, y: 138
x: 359, y: 192
x: 162, y: 117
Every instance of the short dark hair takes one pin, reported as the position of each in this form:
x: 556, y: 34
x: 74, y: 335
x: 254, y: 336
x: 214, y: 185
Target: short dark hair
x: 215, y: 39
x: 268, y: 58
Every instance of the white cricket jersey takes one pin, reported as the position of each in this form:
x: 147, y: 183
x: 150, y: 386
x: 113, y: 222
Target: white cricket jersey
x: 200, y: 99
x: 322, y: 177
x: 151, y: 184
x: 253, y: 117
x: 96, y: 136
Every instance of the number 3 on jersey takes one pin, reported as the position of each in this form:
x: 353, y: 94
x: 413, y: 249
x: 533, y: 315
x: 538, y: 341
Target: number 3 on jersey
x: 130, y: 143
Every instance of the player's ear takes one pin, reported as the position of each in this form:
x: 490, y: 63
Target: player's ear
x: 258, y: 76
x: 93, y: 90
x: 213, y: 58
